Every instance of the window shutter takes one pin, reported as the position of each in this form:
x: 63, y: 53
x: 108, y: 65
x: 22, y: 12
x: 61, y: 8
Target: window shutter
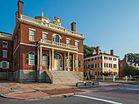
x: 27, y: 58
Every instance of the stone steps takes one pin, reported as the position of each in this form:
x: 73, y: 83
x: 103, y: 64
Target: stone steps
x: 65, y: 77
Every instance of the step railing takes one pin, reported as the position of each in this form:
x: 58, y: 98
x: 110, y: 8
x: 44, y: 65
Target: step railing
x: 50, y: 75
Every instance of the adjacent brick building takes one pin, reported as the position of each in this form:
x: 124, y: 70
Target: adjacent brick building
x: 6, y: 50
x: 40, y: 47
x: 101, y: 63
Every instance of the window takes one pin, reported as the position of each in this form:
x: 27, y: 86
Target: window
x: 92, y: 59
x: 92, y: 66
x: 68, y: 42
x: 57, y: 39
x: 31, y: 58
x: 5, y: 44
x: 77, y: 44
x: 32, y: 34
x: 4, y: 53
x: 44, y: 35
x: 114, y: 59
x: 115, y: 66
x: 105, y: 58
x: 45, y: 60
x: 110, y: 58
x: 4, y: 64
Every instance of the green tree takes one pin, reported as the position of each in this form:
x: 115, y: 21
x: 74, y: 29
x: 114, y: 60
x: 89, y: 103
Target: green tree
x: 130, y: 70
x: 88, y: 50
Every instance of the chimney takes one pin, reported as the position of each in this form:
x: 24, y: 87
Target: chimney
x: 73, y: 26
x: 20, y: 8
x: 97, y: 50
x: 112, y: 52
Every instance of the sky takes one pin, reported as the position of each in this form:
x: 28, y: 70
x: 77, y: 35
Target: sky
x: 110, y: 24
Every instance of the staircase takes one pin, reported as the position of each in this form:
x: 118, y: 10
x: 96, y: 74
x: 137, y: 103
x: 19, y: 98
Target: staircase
x: 66, y: 77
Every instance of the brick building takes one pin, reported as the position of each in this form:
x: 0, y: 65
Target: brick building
x: 130, y: 61
x: 42, y: 51
x: 5, y: 55
x: 99, y: 64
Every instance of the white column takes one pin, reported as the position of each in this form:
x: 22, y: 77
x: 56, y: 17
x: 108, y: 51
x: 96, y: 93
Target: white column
x: 78, y: 62
x: 73, y: 63
x: 52, y: 59
x: 68, y: 62
x: 65, y: 61
x: 38, y: 59
x: 40, y: 56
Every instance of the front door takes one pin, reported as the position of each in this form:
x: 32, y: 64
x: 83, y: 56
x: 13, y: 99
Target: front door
x: 58, y: 62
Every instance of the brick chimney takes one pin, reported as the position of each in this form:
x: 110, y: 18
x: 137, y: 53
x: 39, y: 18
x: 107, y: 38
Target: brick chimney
x: 112, y: 52
x: 20, y: 8
x: 73, y: 26
x: 97, y: 50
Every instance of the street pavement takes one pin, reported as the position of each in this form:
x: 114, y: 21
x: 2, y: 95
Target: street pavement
x: 113, y: 94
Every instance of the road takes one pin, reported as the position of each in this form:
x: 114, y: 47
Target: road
x: 128, y: 94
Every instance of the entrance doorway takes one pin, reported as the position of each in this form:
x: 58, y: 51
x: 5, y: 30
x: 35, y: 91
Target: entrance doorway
x: 58, y: 62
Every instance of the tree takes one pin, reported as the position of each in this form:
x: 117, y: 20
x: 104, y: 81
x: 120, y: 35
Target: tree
x: 88, y: 50
x: 130, y: 70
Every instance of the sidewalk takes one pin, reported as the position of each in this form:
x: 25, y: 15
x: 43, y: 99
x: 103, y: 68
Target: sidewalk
x: 35, y: 90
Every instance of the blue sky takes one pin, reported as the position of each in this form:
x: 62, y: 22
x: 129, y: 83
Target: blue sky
x: 110, y: 24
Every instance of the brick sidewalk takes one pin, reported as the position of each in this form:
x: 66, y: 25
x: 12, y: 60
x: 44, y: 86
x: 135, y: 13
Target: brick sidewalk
x: 35, y: 90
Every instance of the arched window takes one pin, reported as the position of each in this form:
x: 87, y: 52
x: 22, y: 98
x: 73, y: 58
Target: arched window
x: 57, y: 38
x: 31, y: 58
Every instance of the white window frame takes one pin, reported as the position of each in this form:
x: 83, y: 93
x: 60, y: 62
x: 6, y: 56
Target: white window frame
x: 54, y: 39
x: 4, y: 53
x: 68, y: 42
x: 7, y: 65
x: 44, y: 38
x: 31, y: 59
x: 76, y: 41
x: 32, y: 37
x: 3, y: 45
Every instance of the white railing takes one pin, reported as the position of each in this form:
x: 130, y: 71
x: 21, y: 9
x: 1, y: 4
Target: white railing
x: 48, y: 25
x: 58, y: 44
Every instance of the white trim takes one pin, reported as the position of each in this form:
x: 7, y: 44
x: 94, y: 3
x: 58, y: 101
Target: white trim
x: 5, y: 52
x: 76, y: 40
x: 68, y: 38
x: 32, y: 29
x: 28, y: 44
x: 98, y: 99
x: 59, y: 49
x: 1, y: 65
x: 44, y: 32
x: 80, y: 53
x: 5, y: 42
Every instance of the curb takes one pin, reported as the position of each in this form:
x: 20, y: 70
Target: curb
x: 62, y: 95
x: 45, y: 97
